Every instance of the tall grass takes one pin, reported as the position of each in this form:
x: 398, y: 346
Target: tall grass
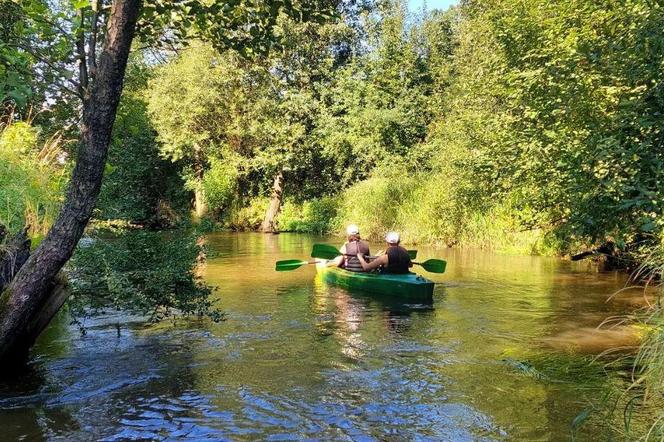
x: 32, y: 177
x: 433, y: 209
x: 647, y: 387
x: 426, y: 208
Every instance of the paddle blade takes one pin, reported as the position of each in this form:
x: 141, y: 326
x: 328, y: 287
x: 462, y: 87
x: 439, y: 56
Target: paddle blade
x: 324, y: 251
x: 412, y: 254
x: 289, y: 264
x: 434, y: 265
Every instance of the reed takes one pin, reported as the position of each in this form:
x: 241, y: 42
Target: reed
x: 32, y: 176
x: 647, y: 387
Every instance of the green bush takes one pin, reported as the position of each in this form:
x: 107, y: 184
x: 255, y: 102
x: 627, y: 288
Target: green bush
x: 431, y: 208
x: 149, y: 273
x: 20, y: 138
x: 375, y: 204
x: 220, y: 185
x: 247, y: 217
x: 313, y: 216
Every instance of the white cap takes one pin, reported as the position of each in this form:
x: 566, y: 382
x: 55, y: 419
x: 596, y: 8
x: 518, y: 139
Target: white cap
x: 392, y: 238
x: 353, y: 229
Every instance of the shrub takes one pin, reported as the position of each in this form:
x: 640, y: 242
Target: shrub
x: 313, y: 216
x: 434, y: 208
x: 144, y: 272
x: 220, y: 185
x: 375, y: 204
x: 247, y: 217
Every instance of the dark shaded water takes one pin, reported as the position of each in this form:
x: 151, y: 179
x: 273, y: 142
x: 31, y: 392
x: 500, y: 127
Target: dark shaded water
x: 503, y: 353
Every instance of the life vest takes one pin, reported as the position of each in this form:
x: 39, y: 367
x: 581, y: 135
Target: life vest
x: 352, y: 249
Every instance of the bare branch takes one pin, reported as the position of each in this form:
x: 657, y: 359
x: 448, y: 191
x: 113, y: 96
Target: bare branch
x: 96, y: 6
x: 75, y: 84
x: 80, y: 51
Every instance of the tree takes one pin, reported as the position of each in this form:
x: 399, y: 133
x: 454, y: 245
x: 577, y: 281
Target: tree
x: 28, y: 294
x: 25, y: 305
x: 193, y: 101
x: 139, y: 185
x: 552, y: 113
x: 15, y: 66
x: 258, y: 114
x: 375, y: 111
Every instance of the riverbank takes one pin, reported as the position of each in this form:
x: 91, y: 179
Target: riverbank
x: 375, y: 205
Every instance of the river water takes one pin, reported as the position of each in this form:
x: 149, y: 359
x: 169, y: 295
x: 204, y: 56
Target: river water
x: 504, y: 353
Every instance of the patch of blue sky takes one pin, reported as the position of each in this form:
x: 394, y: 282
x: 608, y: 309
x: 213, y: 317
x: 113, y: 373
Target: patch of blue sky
x: 416, y: 5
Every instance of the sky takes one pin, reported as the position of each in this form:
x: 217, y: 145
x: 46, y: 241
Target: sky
x: 416, y: 5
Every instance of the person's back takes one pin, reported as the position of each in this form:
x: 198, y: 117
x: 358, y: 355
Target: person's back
x: 395, y: 260
x: 398, y: 260
x: 350, y: 250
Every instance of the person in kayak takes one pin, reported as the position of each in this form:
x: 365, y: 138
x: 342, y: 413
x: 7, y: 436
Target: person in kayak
x: 354, y: 246
x: 395, y: 260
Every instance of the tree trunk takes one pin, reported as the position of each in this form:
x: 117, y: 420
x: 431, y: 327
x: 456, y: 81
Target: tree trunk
x: 268, y: 225
x: 29, y: 293
x: 200, y: 206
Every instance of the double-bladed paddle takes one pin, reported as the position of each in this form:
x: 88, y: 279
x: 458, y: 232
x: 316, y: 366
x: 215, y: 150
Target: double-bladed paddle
x: 325, y: 251
x: 322, y: 251
x: 291, y: 264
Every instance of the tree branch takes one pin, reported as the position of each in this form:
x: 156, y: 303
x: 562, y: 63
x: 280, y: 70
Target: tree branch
x: 80, y: 51
x: 75, y: 84
x: 96, y: 6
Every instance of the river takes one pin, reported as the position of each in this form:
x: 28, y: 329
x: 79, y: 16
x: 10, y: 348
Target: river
x: 505, y: 352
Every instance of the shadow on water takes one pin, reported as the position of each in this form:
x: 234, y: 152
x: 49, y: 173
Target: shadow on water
x: 299, y: 359
x: 106, y: 385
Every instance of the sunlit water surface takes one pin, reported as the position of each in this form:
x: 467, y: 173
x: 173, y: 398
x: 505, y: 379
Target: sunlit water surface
x: 503, y: 353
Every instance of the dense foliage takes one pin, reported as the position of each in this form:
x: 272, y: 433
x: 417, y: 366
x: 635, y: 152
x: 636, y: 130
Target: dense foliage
x: 148, y: 273
x: 500, y: 123
x: 571, y: 98
x: 139, y: 185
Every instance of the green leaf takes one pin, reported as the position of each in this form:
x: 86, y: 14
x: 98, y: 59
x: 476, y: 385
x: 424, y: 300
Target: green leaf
x: 80, y: 4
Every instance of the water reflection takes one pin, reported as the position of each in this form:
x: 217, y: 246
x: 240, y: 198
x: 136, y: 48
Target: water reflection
x: 299, y: 359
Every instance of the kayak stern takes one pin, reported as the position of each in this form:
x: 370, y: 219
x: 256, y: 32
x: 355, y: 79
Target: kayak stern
x: 411, y: 287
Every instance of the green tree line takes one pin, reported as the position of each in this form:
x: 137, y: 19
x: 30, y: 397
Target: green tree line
x: 508, y: 124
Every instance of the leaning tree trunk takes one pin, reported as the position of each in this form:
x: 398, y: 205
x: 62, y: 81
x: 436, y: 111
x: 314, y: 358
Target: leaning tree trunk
x: 27, y: 304
x: 268, y: 225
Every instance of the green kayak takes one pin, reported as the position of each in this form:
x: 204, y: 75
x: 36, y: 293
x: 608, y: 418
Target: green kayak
x: 410, y: 287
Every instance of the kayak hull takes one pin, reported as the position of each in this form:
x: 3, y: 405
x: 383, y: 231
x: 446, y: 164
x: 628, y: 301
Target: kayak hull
x: 410, y: 287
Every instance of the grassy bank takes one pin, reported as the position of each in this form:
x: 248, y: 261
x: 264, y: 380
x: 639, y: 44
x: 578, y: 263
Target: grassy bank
x: 32, y: 178
x: 647, y: 389
x: 423, y: 208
